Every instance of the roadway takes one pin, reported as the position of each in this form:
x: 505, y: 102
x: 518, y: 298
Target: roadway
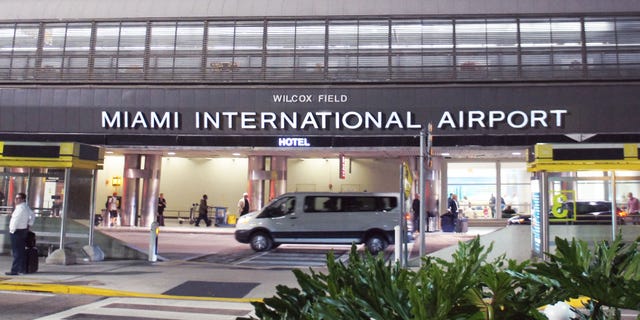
x: 203, y: 273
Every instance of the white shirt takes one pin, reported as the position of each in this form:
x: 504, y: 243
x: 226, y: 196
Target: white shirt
x: 113, y: 204
x: 21, y: 217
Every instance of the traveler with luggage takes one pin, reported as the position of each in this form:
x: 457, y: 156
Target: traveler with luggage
x: 21, y: 219
x: 112, y: 207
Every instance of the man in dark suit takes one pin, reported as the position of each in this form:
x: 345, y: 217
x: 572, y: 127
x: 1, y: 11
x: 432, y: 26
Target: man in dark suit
x: 453, y: 206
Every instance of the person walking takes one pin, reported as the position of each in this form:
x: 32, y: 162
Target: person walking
x: 415, y: 208
x: 22, y: 219
x: 203, y: 212
x: 112, y: 207
x: 243, y: 205
x: 162, y: 204
x: 633, y: 208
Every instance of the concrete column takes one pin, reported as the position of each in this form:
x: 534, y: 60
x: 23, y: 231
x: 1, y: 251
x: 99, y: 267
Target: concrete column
x: 279, y: 175
x: 17, y: 184
x: 130, y: 190
x: 36, y: 188
x: 150, y: 189
x: 257, y: 175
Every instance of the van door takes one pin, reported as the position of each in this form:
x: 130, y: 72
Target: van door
x: 325, y: 221
x: 282, y: 218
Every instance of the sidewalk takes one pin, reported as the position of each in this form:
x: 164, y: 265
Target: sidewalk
x: 175, y: 279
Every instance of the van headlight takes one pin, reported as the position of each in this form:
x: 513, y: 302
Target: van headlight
x: 242, y: 220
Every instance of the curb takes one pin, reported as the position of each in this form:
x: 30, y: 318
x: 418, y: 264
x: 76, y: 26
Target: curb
x: 83, y: 290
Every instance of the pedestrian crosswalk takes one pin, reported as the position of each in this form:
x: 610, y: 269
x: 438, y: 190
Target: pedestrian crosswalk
x: 293, y: 257
x: 145, y: 308
x: 298, y: 256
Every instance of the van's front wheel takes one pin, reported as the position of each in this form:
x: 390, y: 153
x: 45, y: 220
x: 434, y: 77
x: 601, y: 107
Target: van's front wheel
x: 260, y: 241
x: 376, y: 243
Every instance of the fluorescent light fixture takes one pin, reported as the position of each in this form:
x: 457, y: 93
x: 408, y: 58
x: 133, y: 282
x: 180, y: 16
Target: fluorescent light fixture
x: 108, y: 152
x: 171, y: 153
x: 445, y: 154
x: 235, y: 154
x: 516, y: 153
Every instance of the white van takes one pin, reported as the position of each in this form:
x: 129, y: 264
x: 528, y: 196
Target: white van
x: 323, y: 218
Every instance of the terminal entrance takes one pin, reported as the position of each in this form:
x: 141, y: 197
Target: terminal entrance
x: 58, y: 179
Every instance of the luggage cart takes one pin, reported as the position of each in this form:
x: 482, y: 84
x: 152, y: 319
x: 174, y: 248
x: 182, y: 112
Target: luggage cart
x: 193, y: 214
x: 220, y: 216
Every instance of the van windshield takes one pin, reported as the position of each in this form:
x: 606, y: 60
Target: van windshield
x: 349, y: 203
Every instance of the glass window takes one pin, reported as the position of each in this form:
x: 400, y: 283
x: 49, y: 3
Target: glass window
x: 249, y: 36
x: 406, y: 35
x: 78, y: 39
x: 310, y: 46
x: 373, y: 35
x: 566, y: 32
x: 425, y: 43
x: 280, y: 36
x: 161, y: 47
x: 627, y: 32
x: 280, y: 48
x: 106, y: 50
x: 515, y: 186
x: 189, y: 37
x: 600, y: 41
x: 234, y: 46
x: 163, y: 36
x: 343, y: 36
x: 471, y: 34
x: 221, y: 37
x: 502, y: 34
x: 535, y: 33
x: 475, y: 185
x: 52, y: 50
x: 77, y: 47
x: 322, y: 204
x: 131, y: 49
x: 599, y: 33
x: 7, y: 32
x: 279, y: 208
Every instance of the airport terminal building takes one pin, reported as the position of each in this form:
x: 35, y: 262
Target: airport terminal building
x: 281, y: 81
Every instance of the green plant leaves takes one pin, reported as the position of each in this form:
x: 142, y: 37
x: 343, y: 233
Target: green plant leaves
x: 608, y: 274
x: 468, y: 287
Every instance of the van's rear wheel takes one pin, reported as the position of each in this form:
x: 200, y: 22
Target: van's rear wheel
x: 261, y: 241
x: 376, y: 243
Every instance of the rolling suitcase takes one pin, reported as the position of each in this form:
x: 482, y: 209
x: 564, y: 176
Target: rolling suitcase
x: 462, y: 225
x: 31, y: 253
x: 31, y: 260
x: 30, y: 242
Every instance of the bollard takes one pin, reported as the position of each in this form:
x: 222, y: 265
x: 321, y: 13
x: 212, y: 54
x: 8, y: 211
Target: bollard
x: 398, y: 241
x: 153, y: 241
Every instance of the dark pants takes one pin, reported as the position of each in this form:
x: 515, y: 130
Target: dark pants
x: 18, y: 243
x: 161, y: 219
x: 204, y: 217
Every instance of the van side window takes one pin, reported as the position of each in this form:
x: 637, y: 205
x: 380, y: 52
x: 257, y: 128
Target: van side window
x: 322, y: 204
x: 387, y: 203
x: 349, y: 203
